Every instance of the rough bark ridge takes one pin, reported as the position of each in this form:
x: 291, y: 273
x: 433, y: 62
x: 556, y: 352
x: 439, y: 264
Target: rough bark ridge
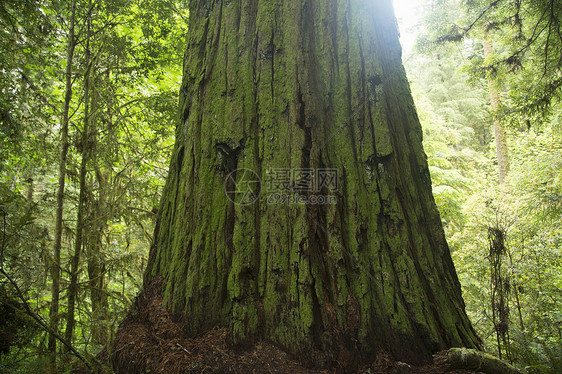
x: 305, y: 84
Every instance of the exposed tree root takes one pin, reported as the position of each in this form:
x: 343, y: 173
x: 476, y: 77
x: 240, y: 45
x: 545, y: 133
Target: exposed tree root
x: 471, y: 359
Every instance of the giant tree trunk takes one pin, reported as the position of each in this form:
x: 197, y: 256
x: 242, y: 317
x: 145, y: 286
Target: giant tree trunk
x: 305, y: 84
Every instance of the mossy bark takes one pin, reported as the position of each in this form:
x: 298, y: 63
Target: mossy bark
x: 305, y: 84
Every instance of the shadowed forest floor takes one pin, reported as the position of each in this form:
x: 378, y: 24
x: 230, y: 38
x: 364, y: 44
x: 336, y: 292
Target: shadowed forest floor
x: 150, y: 341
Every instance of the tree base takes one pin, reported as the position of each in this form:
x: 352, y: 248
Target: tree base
x: 151, y: 340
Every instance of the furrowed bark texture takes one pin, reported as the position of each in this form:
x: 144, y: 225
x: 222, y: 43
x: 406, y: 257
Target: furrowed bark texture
x: 305, y: 84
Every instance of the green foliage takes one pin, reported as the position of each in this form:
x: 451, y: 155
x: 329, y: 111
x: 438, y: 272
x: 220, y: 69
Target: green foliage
x: 22, y: 257
x: 456, y: 131
x: 17, y: 329
x: 532, y: 266
x: 135, y: 71
x: 528, y: 43
x: 540, y: 356
x: 25, y: 94
x: 528, y: 209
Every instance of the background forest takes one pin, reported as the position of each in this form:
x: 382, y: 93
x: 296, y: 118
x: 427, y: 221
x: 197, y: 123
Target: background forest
x: 87, y: 117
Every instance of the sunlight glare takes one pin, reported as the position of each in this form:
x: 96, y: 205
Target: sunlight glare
x: 408, y: 14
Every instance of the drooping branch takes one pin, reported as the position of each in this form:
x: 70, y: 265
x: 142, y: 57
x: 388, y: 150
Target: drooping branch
x: 26, y: 306
x: 42, y: 323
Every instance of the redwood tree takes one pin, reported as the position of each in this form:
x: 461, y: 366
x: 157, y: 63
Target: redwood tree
x: 304, y: 85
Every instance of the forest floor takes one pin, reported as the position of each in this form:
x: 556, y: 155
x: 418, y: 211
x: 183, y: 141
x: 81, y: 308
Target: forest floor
x: 150, y: 341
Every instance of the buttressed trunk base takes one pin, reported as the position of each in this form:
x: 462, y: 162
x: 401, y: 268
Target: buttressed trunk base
x: 301, y: 87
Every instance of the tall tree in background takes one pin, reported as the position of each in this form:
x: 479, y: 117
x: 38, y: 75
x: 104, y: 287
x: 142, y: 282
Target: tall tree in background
x: 306, y: 85
x: 86, y: 150
x: 63, y: 154
x: 495, y: 89
x: 441, y: 27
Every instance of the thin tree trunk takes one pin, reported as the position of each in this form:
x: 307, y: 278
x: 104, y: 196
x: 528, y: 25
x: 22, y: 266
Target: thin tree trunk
x: 98, y: 293
x: 56, y: 261
x: 98, y: 210
x: 499, y: 128
x: 30, y: 190
x: 94, y: 252
x: 516, y: 288
x: 86, y: 151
